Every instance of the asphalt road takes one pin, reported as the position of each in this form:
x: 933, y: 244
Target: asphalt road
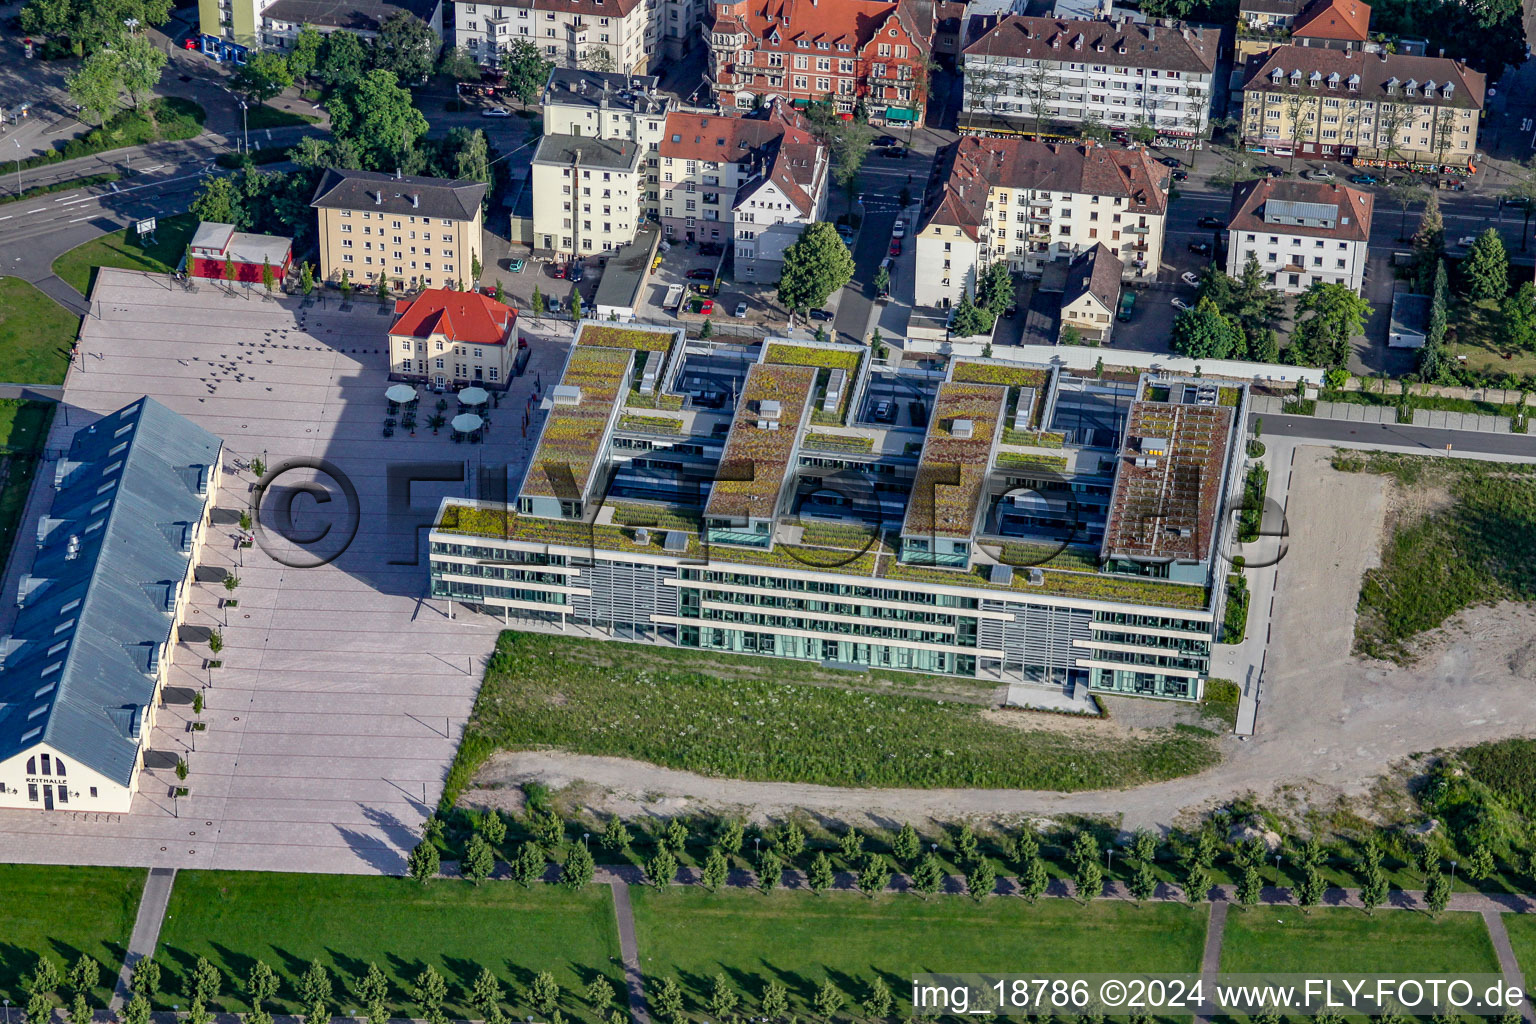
x: 1432, y: 439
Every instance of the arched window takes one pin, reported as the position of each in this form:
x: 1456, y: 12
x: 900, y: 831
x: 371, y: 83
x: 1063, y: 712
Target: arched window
x: 31, y: 766
x: 58, y: 766
x: 46, y: 770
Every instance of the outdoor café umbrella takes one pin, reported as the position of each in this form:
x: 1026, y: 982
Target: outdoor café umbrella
x: 467, y: 422
x: 400, y: 393
x: 473, y: 396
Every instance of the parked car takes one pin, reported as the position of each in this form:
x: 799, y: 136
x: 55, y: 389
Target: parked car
x: 740, y: 312
x: 1200, y: 248
x: 1180, y: 304
x: 895, y: 247
x: 1171, y: 161
x: 495, y: 112
x: 845, y: 233
x: 1361, y: 179
x: 516, y: 266
x: 552, y: 305
x: 823, y: 315
x: 883, y: 412
x: 1180, y: 175
x: 1453, y: 184
x: 578, y: 271
x: 702, y: 287
x: 557, y: 270
x: 893, y: 153
x: 1190, y: 278
x: 701, y: 274
x: 707, y: 307
x: 1271, y: 170
x: 899, y: 229
x: 1012, y: 310
x: 885, y: 140
x: 1210, y: 222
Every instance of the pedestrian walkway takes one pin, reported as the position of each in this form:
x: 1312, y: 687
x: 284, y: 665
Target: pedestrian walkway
x: 146, y: 930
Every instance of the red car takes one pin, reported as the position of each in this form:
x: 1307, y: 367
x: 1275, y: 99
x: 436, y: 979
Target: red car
x: 895, y: 247
x: 707, y: 307
x: 558, y: 270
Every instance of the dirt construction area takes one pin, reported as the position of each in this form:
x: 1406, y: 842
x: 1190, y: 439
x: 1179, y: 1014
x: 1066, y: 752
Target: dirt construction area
x: 1331, y: 724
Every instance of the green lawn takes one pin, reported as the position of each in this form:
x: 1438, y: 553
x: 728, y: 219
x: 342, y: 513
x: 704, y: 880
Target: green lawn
x: 263, y: 116
x: 1342, y: 940
x: 35, y: 334
x: 1522, y: 936
x: 64, y: 912
x: 347, y: 921
x: 23, y: 430
x: 802, y: 940
x: 748, y: 717
x: 124, y: 250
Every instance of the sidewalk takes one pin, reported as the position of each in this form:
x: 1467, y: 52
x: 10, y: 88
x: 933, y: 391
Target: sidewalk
x: 1269, y: 405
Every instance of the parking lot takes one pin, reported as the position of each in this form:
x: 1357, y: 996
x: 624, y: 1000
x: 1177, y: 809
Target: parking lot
x: 343, y: 692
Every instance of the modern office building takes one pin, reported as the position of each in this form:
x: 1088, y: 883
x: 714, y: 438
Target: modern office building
x: 82, y: 671
x: 1031, y: 203
x: 1372, y: 109
x: 1049, y: 74
x: 1301, y: 232
x: 232, y: 29
x: 445, y: 337
x: 416, y: 232
x: 1030, y: 526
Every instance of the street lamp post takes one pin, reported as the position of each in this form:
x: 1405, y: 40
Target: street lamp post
x: 18, y: 165
x: 245, y: 131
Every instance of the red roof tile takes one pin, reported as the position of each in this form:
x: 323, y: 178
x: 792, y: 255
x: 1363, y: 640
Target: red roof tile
x: 1348, y: 20
x: 458, y: 316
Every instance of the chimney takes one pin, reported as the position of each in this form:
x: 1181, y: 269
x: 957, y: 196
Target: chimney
x: 378, y: 198
x: 398, y: 175
x: 1442, y: 51
x: 415, y: 200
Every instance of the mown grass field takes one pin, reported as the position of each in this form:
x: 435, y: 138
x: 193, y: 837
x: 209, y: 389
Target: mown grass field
x: 348, y: 921
x: 36, y: 334
x: 781, y: 720
x: 801, y: 940
x: 1343, y: 940
x: 23, y: 431
x: 64, y: 912
x: 124, y: 250
x: 1478, y: 549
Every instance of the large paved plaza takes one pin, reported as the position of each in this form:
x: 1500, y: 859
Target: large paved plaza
x: 342, y: 691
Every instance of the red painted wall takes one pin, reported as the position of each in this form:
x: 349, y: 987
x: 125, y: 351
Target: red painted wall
x: 250, y: 272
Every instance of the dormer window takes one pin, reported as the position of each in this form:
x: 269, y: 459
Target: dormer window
x: 1412, y: 88
x: 1446, y: 90
x: 1274, y: 76
x: 1429, y: 87
x: 1392, y: 84
x: 1296, y: 77
x: 1316, y: 79
x: 1333, y: 80
x: 1353, y: 82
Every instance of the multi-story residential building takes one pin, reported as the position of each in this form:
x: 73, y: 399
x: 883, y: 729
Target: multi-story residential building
x: 1301, y: 232
x: 586, y: 195
x: 231, y: 29
x: 1332, y: 24
x: 1033, y: 202
x: 854, y: 52
x: 1367, y: 108
x: 618, y: 36
x: 753, y: 181
x: 1036, y: 74
x: 618, y: 108
x: 1091, y: 297
x: 784, y: 526
x: 445, y: 337
x: 90, y: 651
x: 415, y: 232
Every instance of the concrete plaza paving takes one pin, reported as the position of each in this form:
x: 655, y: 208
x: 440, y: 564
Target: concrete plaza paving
x: 343, y: 691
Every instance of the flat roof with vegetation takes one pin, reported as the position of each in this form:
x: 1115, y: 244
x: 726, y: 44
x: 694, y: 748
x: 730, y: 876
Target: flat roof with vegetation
x: 755, y: 460
x: 1167, y: 507
x: 573, y: 434
x: 952, y: 473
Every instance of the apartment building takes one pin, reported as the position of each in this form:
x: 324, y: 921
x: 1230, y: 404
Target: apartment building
x: 1092, y: 296
x: 618, y: 108
x: 231, y: 29
x: 415, y: 232
x: 619, y: 36
x: 90, y: 651
x: 444, y: 337
x: 1301, y: 232
x: 783, y: 525
x: 855, y: 52
x: 1330, y: 24
x: 753, y: 182
x: 1372, y: 109
x: 1034, y: 202
x: 587, y: 195
x: 1033, y: 73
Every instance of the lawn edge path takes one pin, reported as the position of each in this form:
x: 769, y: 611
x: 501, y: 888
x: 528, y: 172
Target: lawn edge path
x: 153, y: 904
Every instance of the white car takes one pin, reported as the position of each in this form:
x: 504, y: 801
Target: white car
x: 899, y: 229
x: 741, y: 311
x: 1180, y: 304
x: 495, y: 112
x: 1189, y: 277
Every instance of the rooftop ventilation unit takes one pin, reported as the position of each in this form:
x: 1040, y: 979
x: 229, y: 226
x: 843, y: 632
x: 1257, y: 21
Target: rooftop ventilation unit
x: 642, y: 535
x: 676, y: 542
x: 1023, y: 411
x: 836, y: 381
x: 1036, y: 578
x: 566, y: 394
x: 768, y: 413
x: 1000, y: 575
x: 962, y: 428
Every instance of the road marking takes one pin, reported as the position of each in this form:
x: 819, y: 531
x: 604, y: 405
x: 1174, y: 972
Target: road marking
x: 77, y: 202
x: 77, y: 220
x: 62, y: 198
x: 154, y: 168
x: 40, y: 209
x: 7, y: 216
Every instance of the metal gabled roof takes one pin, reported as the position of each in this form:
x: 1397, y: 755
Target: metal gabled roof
x: 113, y: 552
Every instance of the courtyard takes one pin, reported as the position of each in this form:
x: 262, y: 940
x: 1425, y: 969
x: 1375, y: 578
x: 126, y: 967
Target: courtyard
x: 342, y: 690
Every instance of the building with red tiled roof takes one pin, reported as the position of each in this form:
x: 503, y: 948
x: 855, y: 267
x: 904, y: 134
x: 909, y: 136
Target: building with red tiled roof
x: 1031, y: 203
x: 444, y: 337
x: 1344, y: 24
x: 1301, y: 232
x: 1033, y: 73
x: 751, y: 182
x: 868, y: 52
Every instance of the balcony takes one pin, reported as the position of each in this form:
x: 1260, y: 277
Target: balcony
x: 1136, y: 229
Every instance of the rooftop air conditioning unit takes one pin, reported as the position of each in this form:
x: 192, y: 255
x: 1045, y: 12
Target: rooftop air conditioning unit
x: 566, y: 394
x: 642, y: 535
x: 1036, y: 578
x: 962, y: 428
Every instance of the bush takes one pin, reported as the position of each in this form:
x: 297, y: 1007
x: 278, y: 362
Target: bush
x: 1508, y: 768
x: 61, y: 186
x: 168, y: 119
